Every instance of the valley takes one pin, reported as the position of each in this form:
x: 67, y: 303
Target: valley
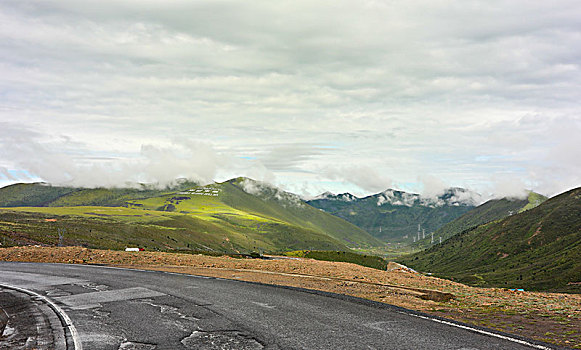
x: 397, y: 217
x: 496, y: 247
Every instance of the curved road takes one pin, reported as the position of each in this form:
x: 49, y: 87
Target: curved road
x: 128, y: 309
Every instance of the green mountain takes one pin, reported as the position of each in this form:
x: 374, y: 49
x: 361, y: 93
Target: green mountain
x: 240, y: 215
x: 494, y: 209
x: 252, y: 196
x: 42, y: 195
x: 396, y: 216
x: 36, y: 194
x: 536, y: 249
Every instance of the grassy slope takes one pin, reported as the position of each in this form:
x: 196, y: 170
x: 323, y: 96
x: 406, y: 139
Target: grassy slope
x: 198, y: 222
x: 297, y: 213
x: 534, y: 200
x: 264, y: 213
x: 116, y: 228
x: 537, y: 249
x: 31, y: 194
x: 91, y: 227
x: 360, y: 259
x: 115, y: 197
x: 41, y: 195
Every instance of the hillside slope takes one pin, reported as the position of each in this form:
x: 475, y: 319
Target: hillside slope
x: 492, y: 210
x: 34, y: 194
x: 537, y: 249
x: 248, y: 203
x: 256, y: 197
x: 395, y: 216
x: 45, y: 195
x: 221, y: 217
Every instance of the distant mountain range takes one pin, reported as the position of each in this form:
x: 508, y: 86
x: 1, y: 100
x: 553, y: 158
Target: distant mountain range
x: 396, y: 216
x: 533, y: 247
x: 239, y: 215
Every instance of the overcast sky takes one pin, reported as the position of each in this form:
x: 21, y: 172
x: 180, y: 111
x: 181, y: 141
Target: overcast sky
x: 311, y: 95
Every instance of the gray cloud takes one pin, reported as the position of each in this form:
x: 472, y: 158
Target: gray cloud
x: 290, y: 156
x: 468, y: 92
x: 363, y: 176
x: 61, y: 161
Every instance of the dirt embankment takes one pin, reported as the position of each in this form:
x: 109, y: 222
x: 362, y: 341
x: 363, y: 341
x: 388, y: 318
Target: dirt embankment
x: 550, y: 317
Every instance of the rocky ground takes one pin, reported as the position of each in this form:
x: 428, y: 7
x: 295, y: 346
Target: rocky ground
x: 550, y: 317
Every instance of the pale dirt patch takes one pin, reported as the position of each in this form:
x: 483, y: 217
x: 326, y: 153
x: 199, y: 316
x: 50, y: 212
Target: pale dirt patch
x: 551, y: 317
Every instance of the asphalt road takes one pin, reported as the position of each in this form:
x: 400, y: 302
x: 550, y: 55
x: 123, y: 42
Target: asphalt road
x: 108, y: 308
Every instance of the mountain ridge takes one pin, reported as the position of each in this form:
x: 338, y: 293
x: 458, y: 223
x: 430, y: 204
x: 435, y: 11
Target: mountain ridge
x: 235, y: 219
x: 536, y: 249
x: 450, y: 196
x: 494, y: 209
x: 393, y: 216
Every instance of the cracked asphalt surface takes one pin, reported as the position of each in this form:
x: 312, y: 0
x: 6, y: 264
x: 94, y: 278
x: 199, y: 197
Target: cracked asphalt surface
x: 129, y: 309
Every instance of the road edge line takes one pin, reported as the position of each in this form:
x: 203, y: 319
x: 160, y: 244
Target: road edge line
x: 476, y: 330
x: 65, y: 319
x: 3, y: 321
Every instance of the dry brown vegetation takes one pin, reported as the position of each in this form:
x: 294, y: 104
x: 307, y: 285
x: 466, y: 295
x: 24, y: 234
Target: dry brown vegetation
x: 550, y: 317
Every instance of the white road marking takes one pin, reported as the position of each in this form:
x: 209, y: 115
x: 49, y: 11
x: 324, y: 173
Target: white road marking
x: 476, y: 330
x: 265, y: 305
x: 89, y: 300
x: 378, y: 326
x: 101, y: 339
x: 68, y: 323
x: 131, y: 345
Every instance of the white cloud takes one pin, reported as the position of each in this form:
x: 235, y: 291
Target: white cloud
x: 57, y: 161
x: 467, y: 92
x: 270, y: 192
x: 433, y: 187
x: 510, y: 188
